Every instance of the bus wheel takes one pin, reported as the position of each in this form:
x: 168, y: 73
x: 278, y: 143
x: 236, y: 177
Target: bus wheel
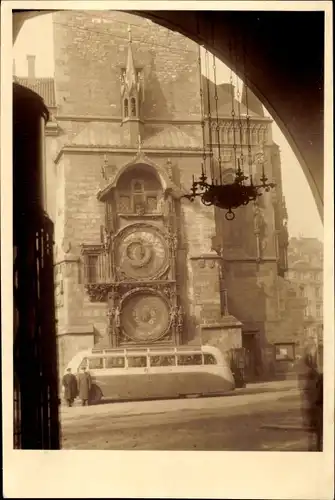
x: 95, y: 395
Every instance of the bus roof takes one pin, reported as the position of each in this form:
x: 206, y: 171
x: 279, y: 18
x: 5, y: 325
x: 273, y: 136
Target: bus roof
x: 194, y: 349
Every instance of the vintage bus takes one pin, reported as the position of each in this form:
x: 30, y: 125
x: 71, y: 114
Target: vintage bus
x: 155, y: 372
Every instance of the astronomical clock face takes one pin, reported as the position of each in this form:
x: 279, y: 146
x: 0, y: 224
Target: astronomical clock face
x: 145, y: 317
x: 142, y: 254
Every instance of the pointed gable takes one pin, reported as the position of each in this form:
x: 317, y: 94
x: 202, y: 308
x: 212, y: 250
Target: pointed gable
x: 130, y: 75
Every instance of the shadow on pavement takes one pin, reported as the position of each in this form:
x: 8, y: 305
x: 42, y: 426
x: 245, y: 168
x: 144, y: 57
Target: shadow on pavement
x: 236, y: 392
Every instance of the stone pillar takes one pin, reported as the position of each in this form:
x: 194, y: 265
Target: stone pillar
x: 206, y: 287
x: 217, y: 327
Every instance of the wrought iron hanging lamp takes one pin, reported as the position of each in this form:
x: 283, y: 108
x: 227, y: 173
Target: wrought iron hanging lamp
x: 211, y: 190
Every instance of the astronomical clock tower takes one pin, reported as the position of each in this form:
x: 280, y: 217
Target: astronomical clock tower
x: 138, y: 256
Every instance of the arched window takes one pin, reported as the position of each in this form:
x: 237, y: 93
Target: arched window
x: 126, y: 108
x: 246, y: 138
x: 133, y: 106
x: 266, y: 135
x: 260, y: 136
x: 224, y: 138
x: 254, y: 136
x: 230, y: 135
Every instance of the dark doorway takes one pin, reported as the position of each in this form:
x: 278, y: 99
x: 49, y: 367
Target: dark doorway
x: 251, y: 346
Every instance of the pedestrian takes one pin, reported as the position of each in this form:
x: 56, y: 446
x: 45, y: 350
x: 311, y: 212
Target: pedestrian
x: 319, y: 413
x: 70, y: 387
x: 311, y: 386
x: 84, y: 386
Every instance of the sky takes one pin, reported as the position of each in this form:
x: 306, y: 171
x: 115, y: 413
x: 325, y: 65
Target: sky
x: 36, y: 38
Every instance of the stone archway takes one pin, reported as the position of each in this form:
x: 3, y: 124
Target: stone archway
x: 284, y: 68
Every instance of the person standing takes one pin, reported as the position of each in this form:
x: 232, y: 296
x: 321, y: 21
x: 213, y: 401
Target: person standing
x: 84, y: 386
x: 70, y: 387
x: 311, y: 386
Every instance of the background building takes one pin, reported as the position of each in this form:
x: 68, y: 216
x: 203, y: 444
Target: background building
x: 305, y: 258
x: 134, y: 262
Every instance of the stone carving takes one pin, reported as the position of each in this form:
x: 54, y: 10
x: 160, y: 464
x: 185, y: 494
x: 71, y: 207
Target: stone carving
x: 97, y: 291
x: 66, y: 245
x: 112, y: 293
x: 169, y: 168
x: 59, y: 292
x: 180, y: 320
x: 91, y: 249
x: 260, y: 226
x: 117, y: 317
x: 113, y: 315
x: 173, y: 241
x: 208, y: 262
x: 169, y: 291
x: 152, y: 204
x: 106, y: 239
x: 173, y: 315
x: 139, y: 208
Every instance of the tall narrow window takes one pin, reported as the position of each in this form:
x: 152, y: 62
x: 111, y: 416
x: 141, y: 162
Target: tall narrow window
x: 126, y: 108
x: 133, y: 106
x: 230, y: 135
x: 92, y: 261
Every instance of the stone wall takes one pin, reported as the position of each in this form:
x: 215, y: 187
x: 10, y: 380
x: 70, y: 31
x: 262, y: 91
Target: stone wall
x: 90, y: 50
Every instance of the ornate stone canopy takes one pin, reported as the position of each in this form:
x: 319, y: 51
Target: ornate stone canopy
x: 141, y: 160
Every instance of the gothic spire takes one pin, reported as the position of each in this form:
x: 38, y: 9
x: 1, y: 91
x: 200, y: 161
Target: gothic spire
x: 130, y: 76
x: 254, y: 104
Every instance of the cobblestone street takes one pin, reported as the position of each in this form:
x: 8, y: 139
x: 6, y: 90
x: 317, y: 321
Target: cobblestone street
x: 246, y: 421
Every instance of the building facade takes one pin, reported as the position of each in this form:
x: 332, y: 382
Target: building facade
x: 135, y: 262
x: 305, y: 260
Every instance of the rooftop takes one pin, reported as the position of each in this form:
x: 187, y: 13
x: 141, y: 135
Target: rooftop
x: 45, y: 87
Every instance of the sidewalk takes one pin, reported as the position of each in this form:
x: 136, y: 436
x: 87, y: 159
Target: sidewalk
x: 250, y: 395
x: 276, y: 385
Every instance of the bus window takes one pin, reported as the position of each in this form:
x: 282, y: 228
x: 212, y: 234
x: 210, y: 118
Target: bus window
x: 96, y: 363
x: 162, y: 361
x: 82, y: 364
x: 115, y: 362
x: 137, y: 361
x: 195, y: 359
x: 209, y: 359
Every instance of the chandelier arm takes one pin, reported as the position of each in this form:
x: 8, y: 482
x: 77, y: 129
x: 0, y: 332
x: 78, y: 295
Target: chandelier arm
x: 240, y: 125
x: 217, y: 119
x: 217, y: 110
x: 210, y: 139
x: 233, y: 106
x: 202, y: 111
x: 244, y: 50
